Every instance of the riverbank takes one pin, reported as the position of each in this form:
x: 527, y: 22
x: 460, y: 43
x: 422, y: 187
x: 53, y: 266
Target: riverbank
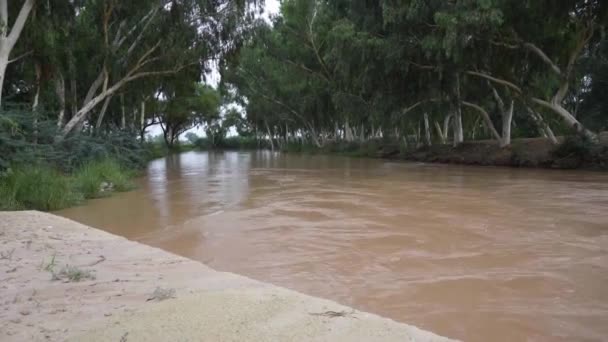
x: 533, y: 152
x: 65, y: 281
x: 571, y: 153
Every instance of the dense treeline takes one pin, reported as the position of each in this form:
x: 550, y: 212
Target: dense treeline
x: 94, y: 66
x: 426, y: 71
x: 81, y: 81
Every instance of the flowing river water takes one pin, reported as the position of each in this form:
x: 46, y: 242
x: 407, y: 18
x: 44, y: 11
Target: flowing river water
x: 475, y: 253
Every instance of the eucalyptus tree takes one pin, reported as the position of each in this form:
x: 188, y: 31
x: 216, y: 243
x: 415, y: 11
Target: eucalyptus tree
x: 9, y: 34
x: 548, y: 39
x: 184, y: 106
x: 150, y: 38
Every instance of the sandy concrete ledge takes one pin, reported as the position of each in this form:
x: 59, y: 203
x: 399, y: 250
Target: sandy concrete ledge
x: 121, y: 304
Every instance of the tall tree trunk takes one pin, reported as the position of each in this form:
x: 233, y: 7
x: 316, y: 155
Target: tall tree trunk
x: 142, y: 115
x: 123, y: 122
x: 507, y: 118
x: 348, y: 132
x: 286, y: 134
x: 569, y: 118
x: 487, y: 120
x: 474, y: 129
x: 442, y: 138
x: 362, y: 134
x: 418, y: 136
x: 3, y: 64
x: 458, y: 130
x: 60, y: 92
x: 314, y: 137
x: 36, y: 101
x: 443, y: 132
x: 269, y: 136
x: 427, y: 129
x: 543, y: 126
x: 102, y: 113
x: 9, y: 36
x: 446, y: 126
x: 74, y: 93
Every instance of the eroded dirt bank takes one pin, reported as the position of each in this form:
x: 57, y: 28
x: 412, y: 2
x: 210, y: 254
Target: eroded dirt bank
x: 118, y: 290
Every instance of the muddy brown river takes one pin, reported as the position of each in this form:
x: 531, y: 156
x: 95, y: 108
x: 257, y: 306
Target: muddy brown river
x: 475, y: 253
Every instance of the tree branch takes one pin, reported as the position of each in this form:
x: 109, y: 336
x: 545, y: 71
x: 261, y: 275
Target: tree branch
x: 423, y: 67
x: 20, y: 56
x: 486, y: 118
x: 540, y: 53
x: 142, y: 61
x: 417, y: 104
x: 141, y: 33
x: 312, y: 42
x: 152, y: 12
x: 159, y: 73
x: 497, y: 98
x: 95, y: 86
x: 305, y: 68
x: 495, y: 80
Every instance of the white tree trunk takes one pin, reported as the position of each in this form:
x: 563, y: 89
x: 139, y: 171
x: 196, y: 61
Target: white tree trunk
x: 3, y: 65
x: 362, y: 133
x: 123, y: 121
x: 9, y: 36
x: 569, y: 118
x: 142, y: 118
x: 348, y: 132
x: 442, y: 138
x: 102, y: 113
x: 458, y: 130
x: 60, y: 91
x: 543, y: 127
x: 446, y: 127
x: 486, y: 118
x: 315, y: 137
x: 507, y: 118
x: 427, y: 129
x: 36, y: 101
x: 269, y: 136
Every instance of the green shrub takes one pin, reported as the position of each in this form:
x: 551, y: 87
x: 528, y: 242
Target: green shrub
x: 154, y: 150
x: 40, y: 188
x: 89, y: 178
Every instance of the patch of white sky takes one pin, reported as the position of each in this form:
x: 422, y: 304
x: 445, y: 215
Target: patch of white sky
x: 213, y: 78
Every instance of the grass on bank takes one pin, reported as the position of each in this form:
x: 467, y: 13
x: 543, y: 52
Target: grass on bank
x: 46, y: 189
x: 36, y: 187
x: 97, y: 179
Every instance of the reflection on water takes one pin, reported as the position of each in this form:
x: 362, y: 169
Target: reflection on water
x: 473, y: 253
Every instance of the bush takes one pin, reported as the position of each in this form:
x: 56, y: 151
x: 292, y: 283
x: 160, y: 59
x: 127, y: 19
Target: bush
x: 40, y: 188
x: 90, y: 159
x: 573, y: 152
x: 89, y: 178
x: 155, y: 150
x: 20, y: 145
x: 573, y: 146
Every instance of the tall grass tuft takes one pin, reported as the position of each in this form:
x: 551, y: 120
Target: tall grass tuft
x: 88, y: 179
x: 37, y: 187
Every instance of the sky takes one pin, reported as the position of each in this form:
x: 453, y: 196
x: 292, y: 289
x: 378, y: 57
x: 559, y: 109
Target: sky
x: 271, y: 7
